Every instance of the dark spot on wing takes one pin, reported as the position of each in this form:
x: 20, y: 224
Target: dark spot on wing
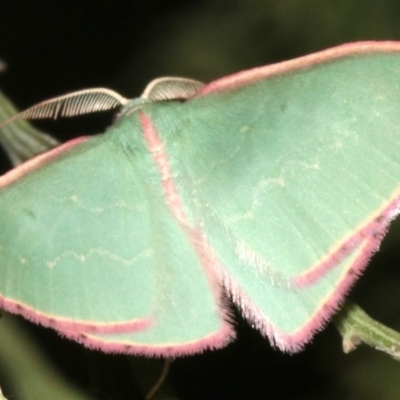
x: 29, y: 213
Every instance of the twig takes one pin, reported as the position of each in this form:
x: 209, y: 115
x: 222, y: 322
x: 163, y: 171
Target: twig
x: 161, y: 379
x: 357, y: 327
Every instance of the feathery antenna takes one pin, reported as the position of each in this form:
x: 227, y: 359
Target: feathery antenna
x: 171, y: 88
x: 72, y: 104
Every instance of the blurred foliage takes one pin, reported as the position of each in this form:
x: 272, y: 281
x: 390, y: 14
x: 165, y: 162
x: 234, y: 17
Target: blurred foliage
x: 54, y: 47
x: 32, y: 376
x: 21, y: 140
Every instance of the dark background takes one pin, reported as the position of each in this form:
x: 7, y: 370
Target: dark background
x: 53, y: 47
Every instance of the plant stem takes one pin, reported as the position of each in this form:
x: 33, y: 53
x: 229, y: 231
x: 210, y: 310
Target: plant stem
x: 357, y: 327
x: 152, y: 375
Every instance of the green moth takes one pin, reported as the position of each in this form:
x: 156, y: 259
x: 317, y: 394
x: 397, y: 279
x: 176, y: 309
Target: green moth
x: 271, y: 187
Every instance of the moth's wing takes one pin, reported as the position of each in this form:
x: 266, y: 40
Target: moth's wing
x: 89, y: 243
x: 289, y: 317
x: 75, y: 241
x: 189, y: 312
x: 287, y: 175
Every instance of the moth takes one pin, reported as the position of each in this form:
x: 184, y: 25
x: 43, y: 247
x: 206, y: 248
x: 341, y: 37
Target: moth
x: 270, y: 188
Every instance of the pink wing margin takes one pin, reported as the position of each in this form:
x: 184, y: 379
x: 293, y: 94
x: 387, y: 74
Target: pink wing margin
x: 243, y: 78
x: 38, y: 161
